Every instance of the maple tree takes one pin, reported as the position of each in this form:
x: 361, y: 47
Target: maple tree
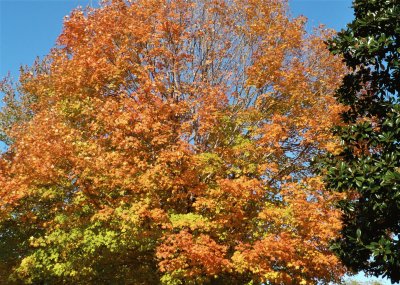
x: 169, y: 142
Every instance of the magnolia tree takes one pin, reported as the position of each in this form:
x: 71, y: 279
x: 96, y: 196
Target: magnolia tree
x: 367, y: 168
x: 169, y: 142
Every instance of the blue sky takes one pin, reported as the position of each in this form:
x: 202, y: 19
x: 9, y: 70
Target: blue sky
x: 29, y: 28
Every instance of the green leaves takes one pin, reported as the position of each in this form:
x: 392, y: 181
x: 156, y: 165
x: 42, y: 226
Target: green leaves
x: 367, y: 169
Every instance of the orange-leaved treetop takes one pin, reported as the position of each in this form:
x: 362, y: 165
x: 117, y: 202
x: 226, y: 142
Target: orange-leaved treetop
x: 168, y: 142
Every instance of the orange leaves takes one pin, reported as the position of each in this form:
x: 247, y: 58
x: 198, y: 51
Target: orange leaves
x: 294, y: 233
x: 179, y: 134
x: 41, y: 156
x: 195, y: 256
x: 261, y: 256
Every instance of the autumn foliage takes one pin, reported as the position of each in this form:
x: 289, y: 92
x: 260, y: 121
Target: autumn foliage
x: 169, y: 141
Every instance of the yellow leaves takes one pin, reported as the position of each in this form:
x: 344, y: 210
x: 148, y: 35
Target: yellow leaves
x: 272, y: 276
x: 103, y: 215
x: 303, y: 282
x: 333, y: 147
x: 186, y: 125
x: 280, y: 216
x: 190, y: 221
x: 208, y: 163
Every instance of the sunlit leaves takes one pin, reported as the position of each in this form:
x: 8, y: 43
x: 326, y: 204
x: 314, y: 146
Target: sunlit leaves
x: 170, y: 143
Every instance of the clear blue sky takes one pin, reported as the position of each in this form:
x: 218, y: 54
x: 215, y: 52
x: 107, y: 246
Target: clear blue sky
x: 29, y: 28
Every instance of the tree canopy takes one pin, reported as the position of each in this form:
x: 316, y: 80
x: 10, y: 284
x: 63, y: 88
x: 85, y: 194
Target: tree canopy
x: 367, y: 166
x: 168, y: 142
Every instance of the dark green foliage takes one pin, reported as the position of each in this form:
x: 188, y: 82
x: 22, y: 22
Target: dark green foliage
x: 368, y: 167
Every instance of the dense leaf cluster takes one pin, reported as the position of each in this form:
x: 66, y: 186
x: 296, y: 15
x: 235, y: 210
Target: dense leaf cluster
x: 168, y: 142
x: 367, y: 167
